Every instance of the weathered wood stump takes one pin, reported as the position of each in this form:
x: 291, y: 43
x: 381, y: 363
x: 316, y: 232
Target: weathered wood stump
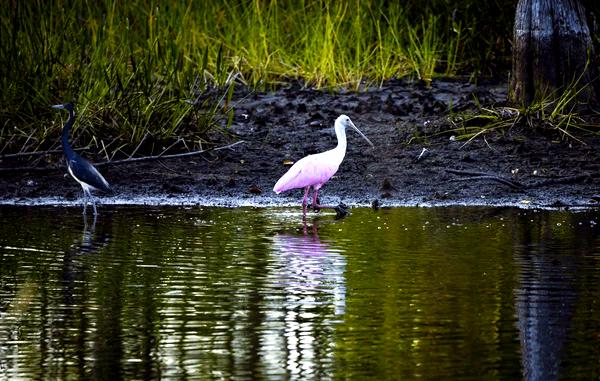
x: 552, y: 50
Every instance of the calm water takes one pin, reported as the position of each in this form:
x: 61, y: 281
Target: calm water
x: 212, y: 293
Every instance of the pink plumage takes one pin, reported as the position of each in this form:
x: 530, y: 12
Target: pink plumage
x: 315, y: 170
x: 312, y: 170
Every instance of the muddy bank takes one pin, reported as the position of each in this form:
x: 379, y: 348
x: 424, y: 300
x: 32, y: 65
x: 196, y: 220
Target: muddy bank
x: 401, y: 119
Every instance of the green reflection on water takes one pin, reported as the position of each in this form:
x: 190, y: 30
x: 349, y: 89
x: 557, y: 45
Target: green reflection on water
x: 254, y: 293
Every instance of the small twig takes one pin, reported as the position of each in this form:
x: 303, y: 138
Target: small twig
x: 139, y: 145
x: 167, y: 168
x: 104, y: 149
x: 488, y: 144
x: 472, y: 137
x: 169, y: 147
x: 27, y: 141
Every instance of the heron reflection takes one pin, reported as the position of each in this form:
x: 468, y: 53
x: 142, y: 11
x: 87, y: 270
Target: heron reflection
x: 73, y: 270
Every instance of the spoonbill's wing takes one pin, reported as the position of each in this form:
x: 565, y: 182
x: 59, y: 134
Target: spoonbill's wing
x: 312, y: 170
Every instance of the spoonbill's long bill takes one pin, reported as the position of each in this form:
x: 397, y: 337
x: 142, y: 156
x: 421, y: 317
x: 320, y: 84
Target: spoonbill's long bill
x: 315, y: 170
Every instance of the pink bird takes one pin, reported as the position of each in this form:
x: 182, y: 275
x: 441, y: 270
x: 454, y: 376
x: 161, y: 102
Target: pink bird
x: 315, y: 170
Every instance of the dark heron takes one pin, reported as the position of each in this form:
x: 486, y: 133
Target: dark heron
x: 82, y: 170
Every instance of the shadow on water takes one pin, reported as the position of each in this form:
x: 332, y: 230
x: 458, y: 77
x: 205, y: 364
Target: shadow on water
x: 246, y: 293
x: 548, y: 295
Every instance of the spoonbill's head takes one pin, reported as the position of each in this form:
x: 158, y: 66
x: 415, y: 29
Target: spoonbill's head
x: 65, y: 106
x: 344, y: 121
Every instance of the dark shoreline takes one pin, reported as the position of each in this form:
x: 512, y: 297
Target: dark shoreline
x: 401, y: 118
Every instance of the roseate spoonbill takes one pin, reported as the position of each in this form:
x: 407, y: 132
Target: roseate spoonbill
x: 79, y: 168
x: 315, y: 170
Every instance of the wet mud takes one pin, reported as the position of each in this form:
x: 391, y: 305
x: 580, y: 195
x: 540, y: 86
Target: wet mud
x: 416, y: 160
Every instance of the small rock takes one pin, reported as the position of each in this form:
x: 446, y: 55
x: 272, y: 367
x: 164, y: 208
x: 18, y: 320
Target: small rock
x: 387, y: 185
x: 375, y: 204
x: 341, y: 211
x: 440, y: 196
x: 301, y: 107
x: 173, y: 189
x: 467, y: 158
x: 254, y: 189
x: 70, y: 195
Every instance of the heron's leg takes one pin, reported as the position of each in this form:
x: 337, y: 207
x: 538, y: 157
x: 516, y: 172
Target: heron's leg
x: 92, y: 199
x: 306, y: 190
x: 94, y: 205
x: 84, y: 202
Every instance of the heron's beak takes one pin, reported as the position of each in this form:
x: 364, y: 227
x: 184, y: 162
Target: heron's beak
x: 59, y: 106
x: 361, y: 134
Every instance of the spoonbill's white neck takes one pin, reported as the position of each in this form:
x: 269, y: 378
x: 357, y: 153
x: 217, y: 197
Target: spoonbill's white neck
x: 340, y: 133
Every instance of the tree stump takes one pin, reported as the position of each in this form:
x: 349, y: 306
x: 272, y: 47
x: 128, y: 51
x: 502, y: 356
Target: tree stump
x: 552, y: 50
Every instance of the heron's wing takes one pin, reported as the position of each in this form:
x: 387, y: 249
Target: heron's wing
x: 310, y: 170
x: 85, y: 172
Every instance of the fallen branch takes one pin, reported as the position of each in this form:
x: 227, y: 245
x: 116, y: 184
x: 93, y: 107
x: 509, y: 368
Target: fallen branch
x: 499, y: 179
x: 474, y: 176
x: 564, y: 180
x: 516, y: 185
x: 36, y: 153
x: 31, y: 169
x: 123, y: 161
x: 161, y: 156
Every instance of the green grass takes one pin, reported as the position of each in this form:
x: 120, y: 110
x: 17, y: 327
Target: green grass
x: 130, y: 65
x: 554, y: 112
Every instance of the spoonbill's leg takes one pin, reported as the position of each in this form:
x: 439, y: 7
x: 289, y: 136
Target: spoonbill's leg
x: 315, y: 204
x: 341, y: 210
x: 315, y: 201
x: 304, y: 200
